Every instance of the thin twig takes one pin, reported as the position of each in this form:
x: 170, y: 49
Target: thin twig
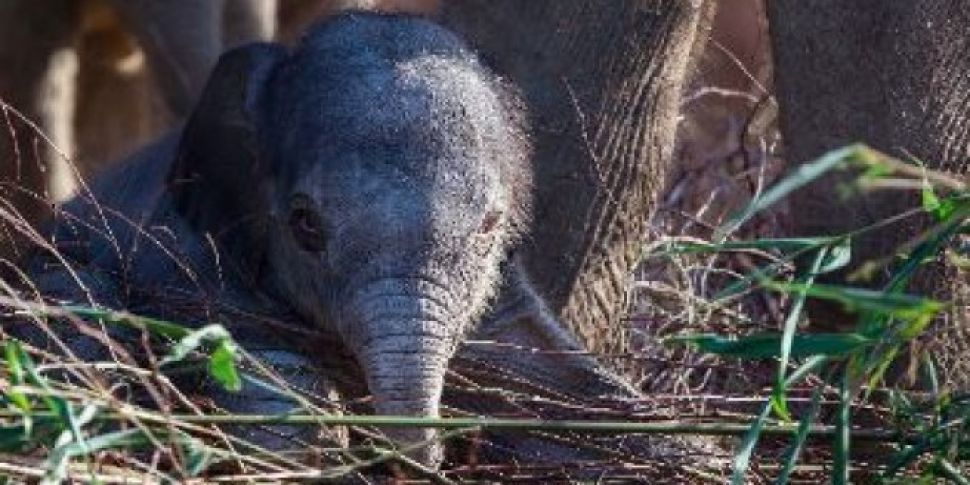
x: 656, y: 427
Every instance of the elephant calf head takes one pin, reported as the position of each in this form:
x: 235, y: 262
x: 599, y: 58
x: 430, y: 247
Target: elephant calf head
x: 373, y: 178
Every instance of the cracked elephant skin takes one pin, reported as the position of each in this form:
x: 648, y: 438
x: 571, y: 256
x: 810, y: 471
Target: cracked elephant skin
x: 896, y: 76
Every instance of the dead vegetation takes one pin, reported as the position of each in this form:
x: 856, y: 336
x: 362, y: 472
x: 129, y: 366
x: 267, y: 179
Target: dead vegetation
x: 129, y: 417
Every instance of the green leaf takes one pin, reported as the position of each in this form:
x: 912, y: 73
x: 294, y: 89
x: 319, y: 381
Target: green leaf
x: 915, y: 327
x: 222, y: 360
x: 931, y: 243
x: 788, y: 335
x: 838, y: 256
x: 60, y: 457
x: 877, y: 370
x: 54, y: 403
x: 840, y: 458
x: 198, y: 456
x: 876, y: 171
x: 862, y: 299
x: 211, y: 333
x: 931, y: 203
x: 931, y: 373
x: 222, y: 365
x: 801, y: 176
x: 798, y: 444
x: 766, y: 345
x: 60, y: 406
x: 14, y: 354
x: 742, y: 459
x: 940, y: 209
x: 65, y: 411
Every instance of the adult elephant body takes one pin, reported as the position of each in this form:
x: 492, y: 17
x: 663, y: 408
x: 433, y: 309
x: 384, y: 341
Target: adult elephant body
x: 891, y: 74
x: 895, y: 75
x: 602, y: 82
x: 73, y: 73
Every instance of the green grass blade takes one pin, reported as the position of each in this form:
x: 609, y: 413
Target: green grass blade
x: 944, y: 469
x: 762, y: 273
x: 805, y: 369
x: 742, y: 459
x: 859, y: 300
x: 931, y: 245
x: 840, y: 458
x: 788, y: 335
x: 798, y: 444
x: 60, y: 457
x: 198, y: 456
x: 763, y: 346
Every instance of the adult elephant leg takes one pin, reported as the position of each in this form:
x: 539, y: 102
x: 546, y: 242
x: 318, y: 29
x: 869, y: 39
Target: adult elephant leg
x: 245, y: 21
x: 182, y: 44
x: 895, y: 75
x: 118, y: 107
x: 602, y: 82
x: 30, y: 34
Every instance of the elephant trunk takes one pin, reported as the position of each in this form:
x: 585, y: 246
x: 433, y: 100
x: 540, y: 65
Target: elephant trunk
x: 404, y: 345
x: 406, y: 376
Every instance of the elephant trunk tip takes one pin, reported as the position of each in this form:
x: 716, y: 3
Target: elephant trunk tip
x: 420, y: 444
x: 409, y: 384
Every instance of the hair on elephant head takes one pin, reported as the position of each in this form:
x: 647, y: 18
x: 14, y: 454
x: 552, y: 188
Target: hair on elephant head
x: 375, y: 179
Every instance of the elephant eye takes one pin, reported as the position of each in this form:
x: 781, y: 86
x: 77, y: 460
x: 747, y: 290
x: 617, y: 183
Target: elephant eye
x: 490, y: 222
x: 307, y: 227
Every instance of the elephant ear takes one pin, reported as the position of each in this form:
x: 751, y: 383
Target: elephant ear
x: 601, y: 81
x: 219, y: 182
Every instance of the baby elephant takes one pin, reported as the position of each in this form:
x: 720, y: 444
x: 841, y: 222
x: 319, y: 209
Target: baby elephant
x: 375, y: 180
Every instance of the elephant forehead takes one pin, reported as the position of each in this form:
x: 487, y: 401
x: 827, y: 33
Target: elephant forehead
x: 423, y: 124
x: 426, y: 104
x: 390, y: 105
